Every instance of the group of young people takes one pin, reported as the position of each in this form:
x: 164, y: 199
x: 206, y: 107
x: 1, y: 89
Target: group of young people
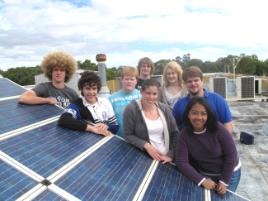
x: 178, y: 121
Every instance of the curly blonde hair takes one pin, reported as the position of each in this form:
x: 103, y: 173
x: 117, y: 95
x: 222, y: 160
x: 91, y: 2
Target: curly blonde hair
x: 59, y: 59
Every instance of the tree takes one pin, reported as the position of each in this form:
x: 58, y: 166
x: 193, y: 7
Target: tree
x: 87, y: 65
x: 247, y: 65
x: 112, y: 73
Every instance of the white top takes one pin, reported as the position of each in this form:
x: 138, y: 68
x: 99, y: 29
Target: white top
x: 155, y: 131
x: 172, y: 99
x: 102, y: 110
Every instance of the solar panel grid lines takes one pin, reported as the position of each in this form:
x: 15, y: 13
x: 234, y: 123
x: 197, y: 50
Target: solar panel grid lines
x: 20, y: 167
x: 70, y: 165
x: 15, y: 115
x: 13, y: 183
x: 116, y: 176
x: 169, y: 184
x: 48, y: 148
x: 24, y: 129
x: 32, y: 193
x: 146, y: 181
x: 10, y: 88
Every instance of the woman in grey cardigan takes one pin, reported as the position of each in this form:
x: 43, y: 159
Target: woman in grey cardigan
x: 149, y: 125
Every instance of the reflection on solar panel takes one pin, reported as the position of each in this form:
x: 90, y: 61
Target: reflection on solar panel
x: 41, y: 161
x: 9, y: 88
x: 229, y: 196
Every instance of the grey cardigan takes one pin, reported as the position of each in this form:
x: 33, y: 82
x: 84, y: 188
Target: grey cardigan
x: 135, y: 128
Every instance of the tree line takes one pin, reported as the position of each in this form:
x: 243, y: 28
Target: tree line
x: 243, y: 64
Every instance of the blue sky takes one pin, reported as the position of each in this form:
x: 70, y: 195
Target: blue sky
x: 127, y: 30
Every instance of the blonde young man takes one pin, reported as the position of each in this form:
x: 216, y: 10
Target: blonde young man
x: 145, y: 70
x: 58, y: 67
x: 122, y: 98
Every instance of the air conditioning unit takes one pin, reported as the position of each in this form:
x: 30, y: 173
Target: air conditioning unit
x: 218, y: 85
x: 245, y: 87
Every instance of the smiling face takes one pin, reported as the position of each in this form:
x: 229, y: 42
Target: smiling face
x: 58, y: 75
x: 194, y: 86
x: 90, y: 93
x: 149, y: 95
x: 198, y: 117
x: 172, y: 76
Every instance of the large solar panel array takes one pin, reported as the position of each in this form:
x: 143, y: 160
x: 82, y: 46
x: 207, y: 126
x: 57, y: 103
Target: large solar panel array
x: 41, y: 161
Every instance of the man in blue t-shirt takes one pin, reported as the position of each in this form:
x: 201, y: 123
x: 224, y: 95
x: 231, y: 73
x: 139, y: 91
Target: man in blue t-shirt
x: 122, y: 98
x: 193, y: 79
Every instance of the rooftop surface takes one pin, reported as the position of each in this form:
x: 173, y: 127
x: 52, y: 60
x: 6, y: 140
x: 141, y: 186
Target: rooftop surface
x: 252, y: 117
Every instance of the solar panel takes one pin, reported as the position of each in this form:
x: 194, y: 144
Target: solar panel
x: 15, y: 115
x: 113, y: 172
x: 229, y: 196
x: 80, y: 165
x: 169, y: 184
x: 47, y: 148
x: 9, y: 88
x: 48, y: 195
x: 13, y: 183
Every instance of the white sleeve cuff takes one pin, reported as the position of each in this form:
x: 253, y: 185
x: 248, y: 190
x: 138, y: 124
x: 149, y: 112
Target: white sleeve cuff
x: 223, y: 183
x: 201, y: 181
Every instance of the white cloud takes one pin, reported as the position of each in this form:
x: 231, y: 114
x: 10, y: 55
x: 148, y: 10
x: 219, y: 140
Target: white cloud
x: 127, y: 30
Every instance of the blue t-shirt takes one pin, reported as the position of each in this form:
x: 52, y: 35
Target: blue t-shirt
x: 119, y: 101
x: 216, y: 102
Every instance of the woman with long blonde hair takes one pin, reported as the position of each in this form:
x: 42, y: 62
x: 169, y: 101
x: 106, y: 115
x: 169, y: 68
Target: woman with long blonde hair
x: 172, y: 89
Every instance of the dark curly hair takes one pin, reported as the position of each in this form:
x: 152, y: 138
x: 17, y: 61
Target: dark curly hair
x: 89, y: 78
x: 211, y: 124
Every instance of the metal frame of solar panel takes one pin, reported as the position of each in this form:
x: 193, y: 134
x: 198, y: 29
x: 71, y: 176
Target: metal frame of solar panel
x: 42, y: 161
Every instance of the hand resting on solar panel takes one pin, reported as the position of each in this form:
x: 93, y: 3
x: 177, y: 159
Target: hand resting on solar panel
x: 90, y: 112
x: 149, y: 125
x: 205, y: 152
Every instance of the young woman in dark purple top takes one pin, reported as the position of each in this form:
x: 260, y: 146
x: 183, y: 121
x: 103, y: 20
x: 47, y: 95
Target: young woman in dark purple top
x: 205, y: 151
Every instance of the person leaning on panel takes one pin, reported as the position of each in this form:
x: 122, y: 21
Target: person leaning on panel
x: 205, y: 151
x: 149, y: 125
x: 58, y: 67
x: 90, y: 112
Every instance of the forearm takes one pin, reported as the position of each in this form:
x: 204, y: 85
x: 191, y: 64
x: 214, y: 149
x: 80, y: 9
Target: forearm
x: 66, y: 120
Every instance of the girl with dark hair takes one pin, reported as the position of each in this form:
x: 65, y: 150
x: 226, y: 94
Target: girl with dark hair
x: 205, y: 151
x: 90, y: 112
x: 149, y: 125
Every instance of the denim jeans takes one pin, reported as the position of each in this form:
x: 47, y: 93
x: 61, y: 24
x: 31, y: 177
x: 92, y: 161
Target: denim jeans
x: 234, y: 181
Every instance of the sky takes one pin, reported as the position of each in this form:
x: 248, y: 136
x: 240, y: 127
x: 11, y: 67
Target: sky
x: 127, y: 30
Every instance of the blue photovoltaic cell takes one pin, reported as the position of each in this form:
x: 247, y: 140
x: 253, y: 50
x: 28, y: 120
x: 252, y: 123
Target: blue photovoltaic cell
x: 227, y: 197
x: 169, y: 184
x: 48, y: 148
x: 48, y: 195
x: 13, y: 183
x: 113, y: 172
x: 8, y: 88
x: 15, y: 115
